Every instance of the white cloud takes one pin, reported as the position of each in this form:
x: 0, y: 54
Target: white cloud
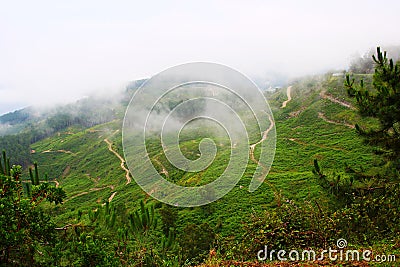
x: 58, y: 51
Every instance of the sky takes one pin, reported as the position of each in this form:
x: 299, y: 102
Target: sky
x: 59, y: 51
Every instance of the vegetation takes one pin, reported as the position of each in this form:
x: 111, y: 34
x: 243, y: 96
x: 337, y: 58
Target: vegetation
x: 26, y: 230
x: 325, y: 184
x: 384, y: 104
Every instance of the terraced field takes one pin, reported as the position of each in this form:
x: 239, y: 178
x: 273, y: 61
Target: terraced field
x: 88, y: 163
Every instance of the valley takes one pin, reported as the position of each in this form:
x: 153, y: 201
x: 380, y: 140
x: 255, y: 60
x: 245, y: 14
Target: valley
x: 96, y: 152
x: 314, y: 120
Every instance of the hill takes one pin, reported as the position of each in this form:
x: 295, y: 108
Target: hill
x: 316, y: 123
x: 314, y: 119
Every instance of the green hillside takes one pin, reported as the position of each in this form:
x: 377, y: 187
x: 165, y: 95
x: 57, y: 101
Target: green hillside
x: 80, y: 161
x: 314, y: 120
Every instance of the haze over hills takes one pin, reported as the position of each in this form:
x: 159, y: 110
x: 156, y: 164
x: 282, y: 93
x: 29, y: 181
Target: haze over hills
x: 321, y: 165
x: 58, y: 52
x: 318, y: 122
x: 92, y: 176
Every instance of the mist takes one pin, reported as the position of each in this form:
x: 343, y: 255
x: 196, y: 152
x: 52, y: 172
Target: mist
x: 60, y: 52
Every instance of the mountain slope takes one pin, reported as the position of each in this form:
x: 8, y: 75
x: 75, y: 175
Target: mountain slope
x: 82, y: 163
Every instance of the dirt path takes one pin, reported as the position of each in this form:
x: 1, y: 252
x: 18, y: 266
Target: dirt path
x: 331, y: 98
x: 322, y: 116
x: 128, y: 178
x: 263, y: 138
x: 60, y: 151
x: 252, y: 157
x: 94, y: 190
x: 44, y: 181
x: 265, y: 135
x: 297, y: 112
x: 289, y: 97
x: 87, y: 192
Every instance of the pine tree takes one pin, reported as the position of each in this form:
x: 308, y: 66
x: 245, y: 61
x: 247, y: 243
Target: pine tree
x: 25, y: 226
x: 34, y: 177
x: 382, y: 103
x: 144, y: 219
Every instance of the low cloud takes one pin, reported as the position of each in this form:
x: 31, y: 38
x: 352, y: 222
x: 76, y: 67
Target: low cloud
x: 53, y: 53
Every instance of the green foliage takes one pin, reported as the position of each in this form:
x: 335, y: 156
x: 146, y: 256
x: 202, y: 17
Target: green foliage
x: 290, y: 226
x: 338, y: 184
x: 370, y: 198
x: 373, y: 215
x: 108, y: 240
x: 6, y: 162
x: 169, y: 216
x: 15, y: 116
x: 382, y: 103
x: 368, y: 212
x: 48, y: 192
x: 24, y: 227
x: 18, y: 145
x: 83, y: 249
x: 196, y: 241
x: 89, y: 171
x: 101, y: 241
x: 34, y: 177
x: 104, y: 216
x: 125, y: 232
x: 317, y: 169
x: 143, y: 220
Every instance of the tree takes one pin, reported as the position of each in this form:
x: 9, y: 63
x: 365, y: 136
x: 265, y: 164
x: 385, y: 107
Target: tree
x: 25, y: 228
x: 383, y: 103
x: 143, y: 220
x: 371, y: 198
x: 363, y: 64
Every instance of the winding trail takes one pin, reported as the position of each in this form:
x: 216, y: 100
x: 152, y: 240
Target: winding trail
x: 289, y: 97
x: 333, y: 99
x: 322, y: 116
x: 109, y: 143
x: 60, y: 151
x: 44, y: 181
x: 297, y: 112
x: 263, y: 138
x: 252, y: 157
x: 128, y: 178
x: 87, y: 192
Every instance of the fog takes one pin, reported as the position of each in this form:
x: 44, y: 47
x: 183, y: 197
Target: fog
x: 58, y: 52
